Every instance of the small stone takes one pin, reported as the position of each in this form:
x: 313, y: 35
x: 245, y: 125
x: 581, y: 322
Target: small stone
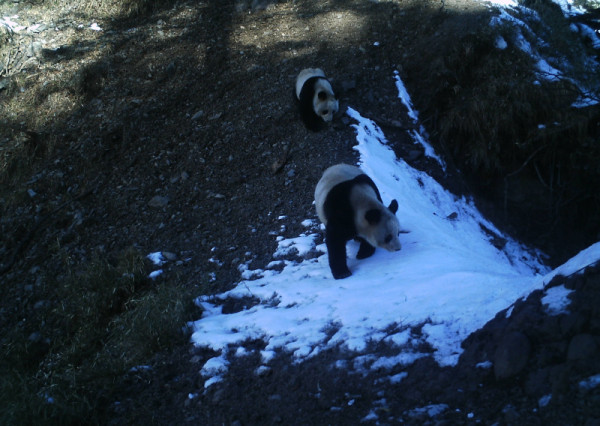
x: 35, y: 337
x: 197, y: 115
x: 169, y: 255
x: 582, y: 346
x: 511, y: 355
x: 414, y: 154
x: 34, y: 49
x: 349, y: 85
x: 41, y: 304
x: 158, y: 201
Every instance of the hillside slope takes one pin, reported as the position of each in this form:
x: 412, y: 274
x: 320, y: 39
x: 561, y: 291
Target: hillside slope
x: 124, y: 131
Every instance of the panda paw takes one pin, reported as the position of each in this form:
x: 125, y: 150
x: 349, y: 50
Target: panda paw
x: 365, y: 250
x: 341, y: 275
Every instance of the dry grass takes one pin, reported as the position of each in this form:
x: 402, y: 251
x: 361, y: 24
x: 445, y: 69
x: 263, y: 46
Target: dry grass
x: 88, y: 324
x: 92, y: 326
x: 493, y: 126
x: 55, y: 87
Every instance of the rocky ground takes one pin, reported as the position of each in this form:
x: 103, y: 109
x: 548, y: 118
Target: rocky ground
x: 176, y: 131
x: 527, y: 366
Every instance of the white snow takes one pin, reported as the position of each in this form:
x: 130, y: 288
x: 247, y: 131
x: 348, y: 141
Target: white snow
x: 157, y: 258
x: 590, y: 383
x: 449, y: 278
x: 550, y: 66
x: 556, y: 300
x: 420, y: 135
x: 578, y: 263
x: 300, y: 245
x: 11, y: 24
x: 431, y: 410
x: 545, y: 400
x: 155, y: 274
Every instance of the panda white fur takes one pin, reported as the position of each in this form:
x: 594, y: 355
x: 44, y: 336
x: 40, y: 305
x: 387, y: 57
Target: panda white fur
x: 316, y: 100
x: 350, y: 206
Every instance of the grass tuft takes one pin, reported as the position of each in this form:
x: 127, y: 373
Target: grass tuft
x: 67, y: 360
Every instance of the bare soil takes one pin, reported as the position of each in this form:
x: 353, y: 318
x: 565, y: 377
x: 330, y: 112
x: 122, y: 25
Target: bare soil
x: 176, y: 132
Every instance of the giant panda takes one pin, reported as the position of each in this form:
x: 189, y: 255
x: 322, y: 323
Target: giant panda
x: 350, y: 206
x: 315, y: 98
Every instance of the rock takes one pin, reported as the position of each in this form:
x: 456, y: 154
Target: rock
x: 414, y: 154
x: 582, y: 346
x: 348, y: 85
x: 35, y: 337
x: 40, y: 304
x: 169, y: 256
x: 572, y: 323
x: 197, y: 115
x: 511, y: 415
x: 158, y: 201
x: 34, y: 49
x: 538, y: 382
x: 511, y: 355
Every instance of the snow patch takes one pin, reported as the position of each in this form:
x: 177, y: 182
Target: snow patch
x: 556, y: 300
x: 591, y: 382
x: 447, y: 281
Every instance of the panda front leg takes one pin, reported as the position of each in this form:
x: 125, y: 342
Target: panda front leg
x: 365, y: 250
x: 336, y: 251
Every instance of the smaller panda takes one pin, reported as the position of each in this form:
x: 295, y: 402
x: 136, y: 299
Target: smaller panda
x: 350, y: 206
x: 315, y: 98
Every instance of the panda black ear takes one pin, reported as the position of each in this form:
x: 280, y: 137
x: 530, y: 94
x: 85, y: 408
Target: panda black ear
x: 393, y: 206
x: 373, y: 216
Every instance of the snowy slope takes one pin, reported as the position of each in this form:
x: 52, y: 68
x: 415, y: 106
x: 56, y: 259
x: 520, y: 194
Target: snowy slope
x: 449, y: 278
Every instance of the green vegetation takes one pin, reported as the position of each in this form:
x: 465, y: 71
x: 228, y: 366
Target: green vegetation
x: 89, y: 327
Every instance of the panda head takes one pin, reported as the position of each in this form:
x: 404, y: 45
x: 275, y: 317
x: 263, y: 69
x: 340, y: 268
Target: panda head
x: 325, y: 105
x: 380, y: 226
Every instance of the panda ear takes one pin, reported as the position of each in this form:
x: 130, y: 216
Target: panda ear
x: 393, y: 206
x: 373, y: 216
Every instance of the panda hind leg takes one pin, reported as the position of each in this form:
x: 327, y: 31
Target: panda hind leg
x: 365, y: 250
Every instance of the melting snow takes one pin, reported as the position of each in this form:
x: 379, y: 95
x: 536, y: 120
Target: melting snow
x: 447, y: 281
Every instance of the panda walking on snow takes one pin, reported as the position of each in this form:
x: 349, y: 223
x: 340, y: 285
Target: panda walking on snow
x: 315, y: 98
x: 350, y: 206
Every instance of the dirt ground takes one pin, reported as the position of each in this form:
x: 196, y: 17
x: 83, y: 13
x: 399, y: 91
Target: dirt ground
x: 177, y: 132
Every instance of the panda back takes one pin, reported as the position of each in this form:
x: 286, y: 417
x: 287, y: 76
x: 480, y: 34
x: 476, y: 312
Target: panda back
x: 333, y: 191
x: 306, y: 74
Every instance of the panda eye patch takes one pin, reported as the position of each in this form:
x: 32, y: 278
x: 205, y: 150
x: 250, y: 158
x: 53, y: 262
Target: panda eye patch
x: 325, y: 112
x: 388, y: 239
x: 322, y: 95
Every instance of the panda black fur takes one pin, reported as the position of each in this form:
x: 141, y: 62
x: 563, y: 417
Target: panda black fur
x: 350, y: 206
x: 315, y: 97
